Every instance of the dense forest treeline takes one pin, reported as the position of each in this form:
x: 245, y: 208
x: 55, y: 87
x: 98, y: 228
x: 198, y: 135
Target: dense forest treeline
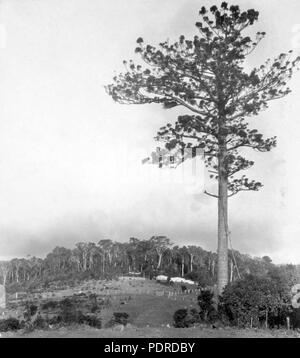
x: 108, y: 259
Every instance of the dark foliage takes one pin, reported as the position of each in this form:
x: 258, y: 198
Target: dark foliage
x: 93, y: 321
x: 118, y: 318
x: 49, y: 305
x: 184, y: 318
x: 30, y: 310
x: 207, y: 312
x: 295, y: 318
x: 255, y: 301
x: 9, y: 324
x: 40, y: 323
x: 121, y: 317
x: 138, y: 256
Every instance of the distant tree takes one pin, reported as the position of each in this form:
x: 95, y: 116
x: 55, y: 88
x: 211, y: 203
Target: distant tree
x: 15, y: 268
x: 206, y: 77
x: 92, y: 255
x: 4, y: 270
x: 76, y: 258
x: 106, y: 247
x: 58, y: 259
x: 267, y: 260
x: 83, y: 248
x: 131, y: 250
x: 160, y: 245
x: 184, y: 258
x: 193, y: 251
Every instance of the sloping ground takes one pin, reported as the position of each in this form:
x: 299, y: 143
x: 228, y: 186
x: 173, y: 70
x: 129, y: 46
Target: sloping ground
x: 132, y: 296
x: 147, y: 310
x: 147, y: 302
x: 152, y: 332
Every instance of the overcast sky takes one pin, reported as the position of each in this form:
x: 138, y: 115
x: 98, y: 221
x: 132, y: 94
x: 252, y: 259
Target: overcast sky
x: 70, y: 158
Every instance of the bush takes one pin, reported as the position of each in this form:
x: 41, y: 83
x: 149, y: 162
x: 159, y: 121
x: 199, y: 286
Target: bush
x: 295, y: 318
x: 184, y: 318
x: 30, y: 310
x: 9, y: 324
x: 195, y: 316
x: 94, y: 303
x: 50, y: 305
x: 121, y: 317
x: 255, y: 300
x: 208, y: 312
x: 93, y: 321
x: 118, y: 318
x: 72, y: 317
x: 39, y: 323
x: 181, y: 318
x: 55, y: 320
x: 66, y: 304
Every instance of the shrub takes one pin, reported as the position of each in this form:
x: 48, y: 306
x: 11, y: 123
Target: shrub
x: 93, y: 321
x: 55, y: 320
x: 180, y: 318
x: 184, y: 318
x: 121, y: 317
x: 72, y: 317
x: 30, y: 310
x: 50, y: 305
x: 295, y: 318
x: 94, y: 303
x: 9, y: 324
x: 39, y: 323
x: 118, y: 318
x: 208, y: 312
x: 195, y: 316
x: 66, y: 303
x: 254, y: 300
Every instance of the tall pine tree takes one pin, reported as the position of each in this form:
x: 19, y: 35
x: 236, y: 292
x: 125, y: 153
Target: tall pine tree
x: 206, y: 75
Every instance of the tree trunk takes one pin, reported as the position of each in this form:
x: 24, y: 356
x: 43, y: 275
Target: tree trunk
x: 4, y: 278
x: 159, y: 260
x: 222, y: 219
x: 231, y: 271
x: 17, y: 274
x: 103, y: 263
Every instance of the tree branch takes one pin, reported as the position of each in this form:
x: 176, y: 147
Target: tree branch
x: 209, y: 194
